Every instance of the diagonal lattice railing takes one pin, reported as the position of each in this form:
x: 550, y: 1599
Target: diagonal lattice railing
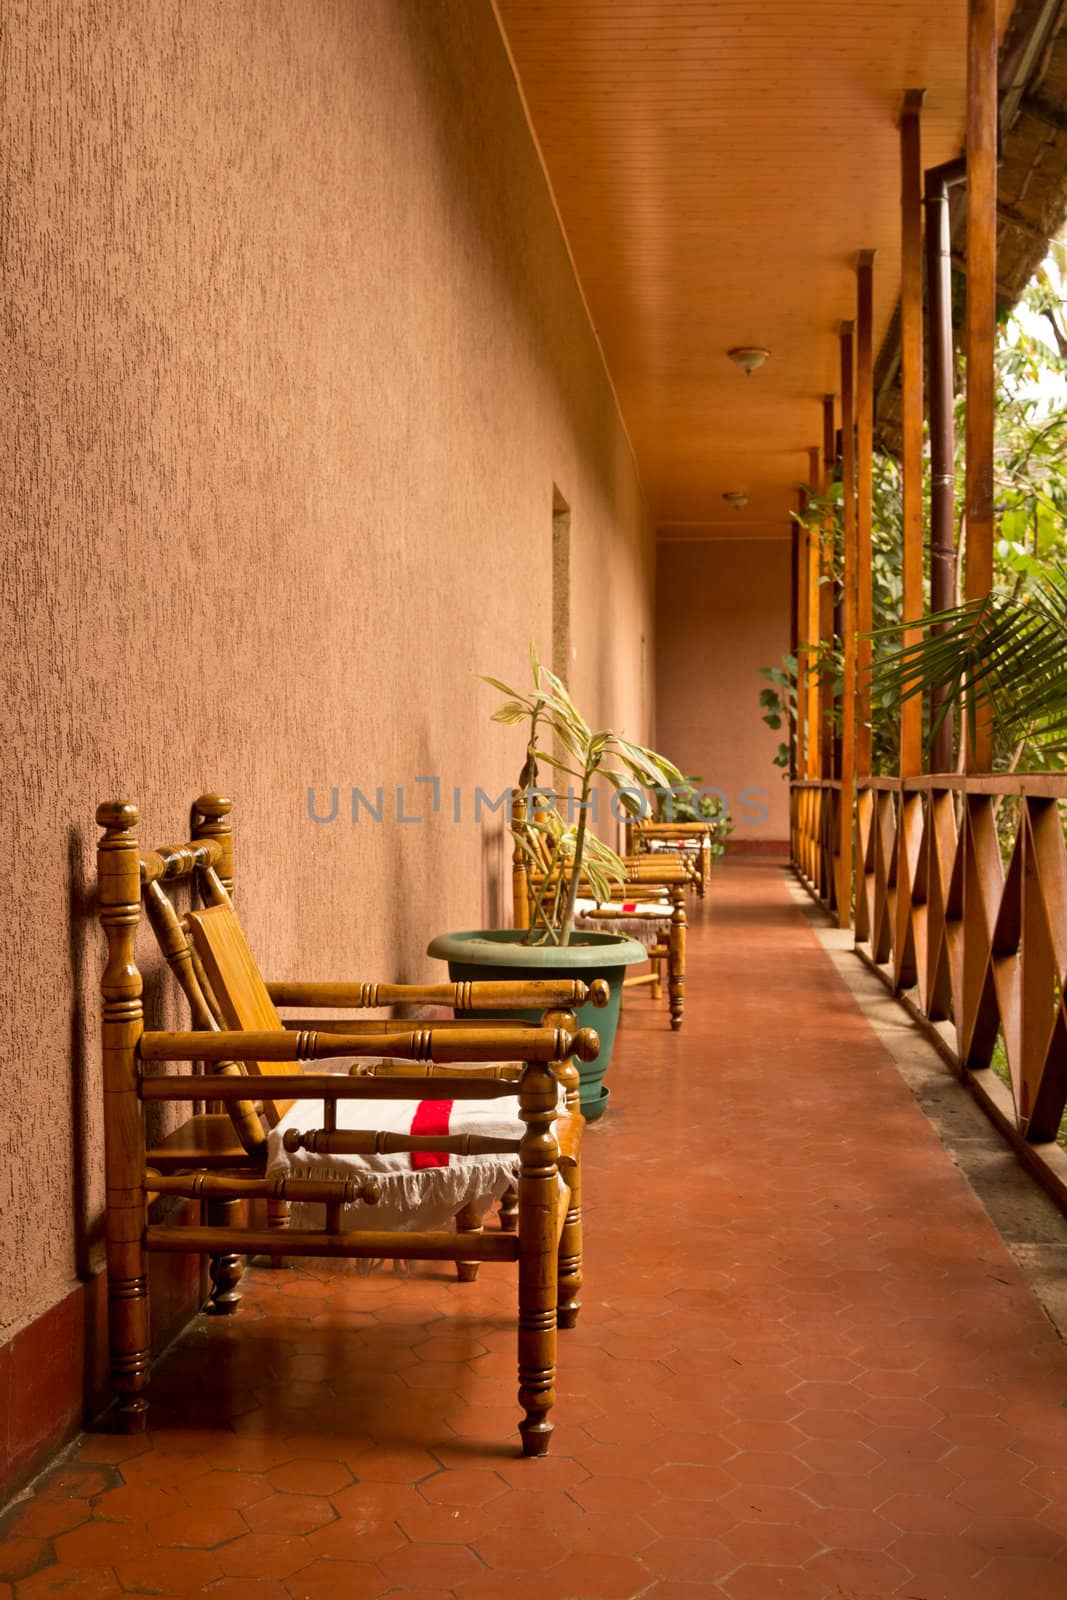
x: 961, y: 901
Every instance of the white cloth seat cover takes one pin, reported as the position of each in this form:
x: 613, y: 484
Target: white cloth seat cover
x: 647, y: 921
x: 413, y: 1199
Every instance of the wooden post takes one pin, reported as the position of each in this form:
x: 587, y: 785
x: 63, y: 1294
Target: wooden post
x: 864, y: 503
x: 849, y: 610
x: 909, y: 813
x: 981, y: 315
x: 815, y: 733
x: 827, y: 767
x: 911, y: 322
x: 211, y: 820
x: 119, y: 900
x: 800, y: 733
x: 942, y: 430
x: 865, y: 800
x: 826, y: 590
x: 794, y: 633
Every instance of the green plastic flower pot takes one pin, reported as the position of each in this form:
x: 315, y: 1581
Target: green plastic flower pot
x: 481, y: 955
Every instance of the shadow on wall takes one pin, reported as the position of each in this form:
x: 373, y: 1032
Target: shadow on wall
x: 88, y: 1228
x: 88, y: 1220
x: 496, y: 875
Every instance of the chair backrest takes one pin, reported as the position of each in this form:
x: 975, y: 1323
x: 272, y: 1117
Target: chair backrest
x: 238, y: 988
x: 207, y: 951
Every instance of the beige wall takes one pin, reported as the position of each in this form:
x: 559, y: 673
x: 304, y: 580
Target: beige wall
x: 294, y: 359
x: 723, y: 613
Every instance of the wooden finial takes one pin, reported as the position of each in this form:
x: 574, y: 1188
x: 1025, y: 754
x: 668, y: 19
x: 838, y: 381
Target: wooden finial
x: 600, y: 992
x: 117, y: 816
x: 211, y: 820
x: 213, y: 806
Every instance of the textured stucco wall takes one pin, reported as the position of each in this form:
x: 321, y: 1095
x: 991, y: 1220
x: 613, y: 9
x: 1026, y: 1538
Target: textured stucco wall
x: 723, y: 613
x: 293, y: 358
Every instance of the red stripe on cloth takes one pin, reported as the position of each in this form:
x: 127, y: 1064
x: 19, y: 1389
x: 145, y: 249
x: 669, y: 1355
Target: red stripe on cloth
x: 630, y: 905
x: 431, y: 1117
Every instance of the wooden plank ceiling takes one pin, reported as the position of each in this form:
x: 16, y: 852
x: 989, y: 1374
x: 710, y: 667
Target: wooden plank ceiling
x: 717, y: 165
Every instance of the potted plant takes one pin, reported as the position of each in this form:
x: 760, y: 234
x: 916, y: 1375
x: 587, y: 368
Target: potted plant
x: 567, y: 855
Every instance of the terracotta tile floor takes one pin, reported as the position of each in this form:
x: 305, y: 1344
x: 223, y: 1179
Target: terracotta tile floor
x: 806, y: 1365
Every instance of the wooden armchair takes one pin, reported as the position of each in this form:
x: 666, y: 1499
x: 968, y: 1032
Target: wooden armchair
x: 255, y: 1147
x: 654, y: 913
x: 691, y: 841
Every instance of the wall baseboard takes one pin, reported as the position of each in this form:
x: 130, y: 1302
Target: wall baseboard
x: 53, y: 1372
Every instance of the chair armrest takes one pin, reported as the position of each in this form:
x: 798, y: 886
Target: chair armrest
x: 530, y: 994
x: 328, y: 1087
x: 507, y: 1041
x: 504, y: 1072
x: 660, y: 870
x: 394, y: 1024
x: 655, y: 871
x: 678, y: 830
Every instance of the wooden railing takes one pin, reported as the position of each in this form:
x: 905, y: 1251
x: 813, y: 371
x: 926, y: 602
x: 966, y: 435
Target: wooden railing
x: 961, y: 904
x: 814, y: 829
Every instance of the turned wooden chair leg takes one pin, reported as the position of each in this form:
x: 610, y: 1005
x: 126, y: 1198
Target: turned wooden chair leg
x: 537, y: 1257
x: 569, y: 1256
x: 509, y: 1210
x: 279, y: 1217
x: 128, y: 1339
x: 119, y: 899
x: 676, y: 960
x: 569, y: 1250
x: 226, y: 1270
x: 468, y: 1220
x: 656, y: 958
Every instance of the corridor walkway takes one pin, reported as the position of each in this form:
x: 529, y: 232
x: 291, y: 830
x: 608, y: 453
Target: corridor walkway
x: 806, y: 1365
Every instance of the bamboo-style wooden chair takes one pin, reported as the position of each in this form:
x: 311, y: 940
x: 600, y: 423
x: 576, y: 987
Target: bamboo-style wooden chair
x: 655, y: 915
x: 692, y: 841
x: 257, y: 1148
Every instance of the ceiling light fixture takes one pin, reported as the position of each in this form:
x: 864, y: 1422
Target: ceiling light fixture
x: 736, y: 498
x: 748, y: 357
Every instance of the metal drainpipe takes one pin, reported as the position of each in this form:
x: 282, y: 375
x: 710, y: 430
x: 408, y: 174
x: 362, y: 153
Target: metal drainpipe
x: 839, y: 602
x: 942, y: 432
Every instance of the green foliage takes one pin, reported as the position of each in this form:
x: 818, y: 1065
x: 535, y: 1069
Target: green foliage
x: 685, y: 803
x: 1030, y: 450
x: 574, y: 852
x: 823, y: 518
x: 1014, y: 644
x: 779, y: 703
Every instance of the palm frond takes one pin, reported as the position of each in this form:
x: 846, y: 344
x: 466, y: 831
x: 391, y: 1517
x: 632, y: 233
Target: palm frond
x: 1008, y: 651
